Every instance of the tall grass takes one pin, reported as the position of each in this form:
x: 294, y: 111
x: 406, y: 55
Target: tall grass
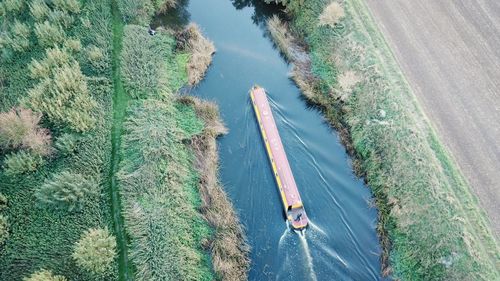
x: 228, y: 245
x: 41, y: 238
x: 430, y: 223
x: 200, y: 51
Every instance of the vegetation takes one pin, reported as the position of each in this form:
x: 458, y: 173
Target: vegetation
x: 45, y: 275
x: 95, y: 251
x: 22, y: 162
x: 41, y: 237
x: 228, y: 246
x: 157, y: 182
x: 62, y: 92
x: 66, y: 190
x: 430, y: 223
x: 141, y: 11
x: 59, y: 208
x: 200, y: 49
x: 4, y: 229
x: 19, y: 128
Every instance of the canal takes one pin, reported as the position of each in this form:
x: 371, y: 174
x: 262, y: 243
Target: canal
x: 341, y: 242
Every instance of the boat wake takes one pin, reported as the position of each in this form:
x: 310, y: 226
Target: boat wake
x: 308, y: 256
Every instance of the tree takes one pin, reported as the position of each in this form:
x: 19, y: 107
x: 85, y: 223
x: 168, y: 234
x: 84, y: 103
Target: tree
x: 45, y: 275
x: 66, y: 191
x: 95, y: 251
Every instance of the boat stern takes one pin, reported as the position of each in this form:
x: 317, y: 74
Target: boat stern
x: 298, y: 218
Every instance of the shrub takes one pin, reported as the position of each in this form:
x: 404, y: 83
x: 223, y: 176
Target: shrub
x: 95, y: 251
x: 97, y: 59
x: 4, y: 229
x: 62, y: 92
x: 39, y: 10
x: 332, y: 14
x: 21, y: 162
x: 49, y: 34
x: 45, y: 275
x: 71, y: 6
x: 66, y: 191
x: 61, y: 18
x: 19, y: 128
x: 66, y: 143
x: 13, y: 6
x: 73, y: 45
x: 19, y: 39
x: 55, y: 57
x: 3, y: 202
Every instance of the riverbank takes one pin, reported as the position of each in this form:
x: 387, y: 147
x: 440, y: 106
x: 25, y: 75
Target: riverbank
x: 179, y: 222
x: 107, y: 76
x: 430, y: 224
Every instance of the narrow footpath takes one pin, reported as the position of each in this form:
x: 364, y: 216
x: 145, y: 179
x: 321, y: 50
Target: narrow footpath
x: 120, y: 100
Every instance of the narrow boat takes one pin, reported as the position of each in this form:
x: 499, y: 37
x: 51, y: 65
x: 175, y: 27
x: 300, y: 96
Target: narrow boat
x: 294, y: 209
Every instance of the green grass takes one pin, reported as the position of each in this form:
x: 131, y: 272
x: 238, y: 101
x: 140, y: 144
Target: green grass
x: 158, y: 183
x: 40, y: 237
x: 120, y: 101
x: 428, y: 217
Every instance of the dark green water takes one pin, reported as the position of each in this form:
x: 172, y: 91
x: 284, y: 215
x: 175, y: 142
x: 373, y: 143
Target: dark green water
x: 341, y: 243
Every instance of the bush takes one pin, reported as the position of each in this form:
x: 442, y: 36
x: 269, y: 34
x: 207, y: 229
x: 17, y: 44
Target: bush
x: 3, y: 202
x: 61, y: 18
x: 49, y: 34
x: 21, y: 162
x: 73, y: 45
x: 19, y: 128
x: 4, y: 229
x: 19, y: 39
x: 13, y: 6
x: 62, y: 92
x: 71, y: 6
x: 95, y: 251
x: 66, y: 191
x: 39, y: 10
x: 332, y: 14
x: 97, y: 59
x: 45, y: 275
x: 66, y: 144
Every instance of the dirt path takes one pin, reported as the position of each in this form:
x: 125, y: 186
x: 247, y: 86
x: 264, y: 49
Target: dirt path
x: 450, y: 53
x: 120, y: 100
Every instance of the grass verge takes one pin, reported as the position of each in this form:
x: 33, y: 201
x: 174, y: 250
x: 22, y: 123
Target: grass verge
x: 430, y: 224
x: 120, y: 101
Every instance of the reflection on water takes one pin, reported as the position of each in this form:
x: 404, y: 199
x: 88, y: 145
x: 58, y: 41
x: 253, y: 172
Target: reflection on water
x: 341, y: 241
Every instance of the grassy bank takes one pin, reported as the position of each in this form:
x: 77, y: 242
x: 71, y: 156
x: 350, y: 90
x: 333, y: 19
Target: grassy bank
x: 430, y: 224
x: 179, y: 228
x: 40, y: 236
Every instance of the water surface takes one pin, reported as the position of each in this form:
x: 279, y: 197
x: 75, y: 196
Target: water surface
x: 341, y: 243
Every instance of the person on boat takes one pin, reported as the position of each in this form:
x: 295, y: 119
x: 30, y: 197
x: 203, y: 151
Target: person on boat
x: 298, y: 217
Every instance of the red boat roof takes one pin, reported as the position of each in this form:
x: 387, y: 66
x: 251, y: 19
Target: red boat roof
x: 277, y: 150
